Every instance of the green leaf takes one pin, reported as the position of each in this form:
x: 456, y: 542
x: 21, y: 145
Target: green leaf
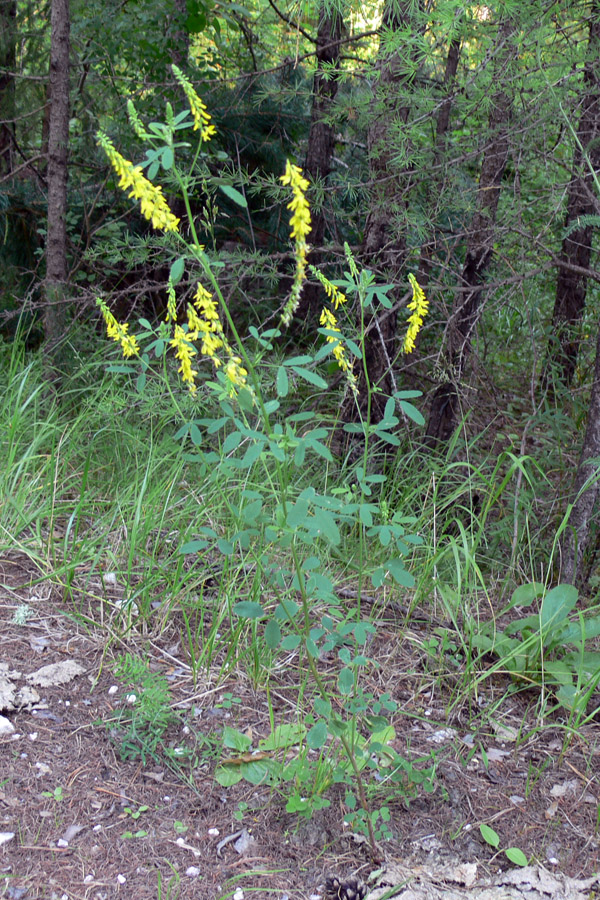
x: 227, y: 776
x: 177, y: 270
x: 365, y: 514
x: 232, y: 441
x: 412, y: 412
x: 236, y: 740
x: 192, y: 547
x: 346, y: 681
x: 324, y: 524
x: 525, y: 594
x: 290, y: 642
x: 272, y: 634
x: 489, y: 835
x: 317, y: 735
x: 284, y: 736
x: 167, y: 159
x: 516, y: 856
x: 282, y: 382
x: 311, y: 377
x: 258, y: 771
x: 234, y: 195
x: 248, y: 609
x: 297, y: 360
x: 557, y: 604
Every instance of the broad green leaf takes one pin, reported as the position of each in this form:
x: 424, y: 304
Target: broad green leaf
x: 272, y: 634
x: 525, y: 594
x: 236, y: 740
x: 284, y: 736
x: 282, y: 382
x: 311, y: 377
x: 177, y: 270
x: 232, y: 441
x: 490, y: 836
x: 227, y: 776
x: 516, y: 856
x: 346, y: 681
x: 317, y: 735
x: 557, y: 604
x: 290, y: 642
x: 412, y: 412
x: 248, y: 609
x: 259, y: 770
x: 192, y: 547
x: 297, y: 360
x: 234, y: 195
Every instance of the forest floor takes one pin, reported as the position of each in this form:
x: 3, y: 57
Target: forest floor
x: 88, y: 824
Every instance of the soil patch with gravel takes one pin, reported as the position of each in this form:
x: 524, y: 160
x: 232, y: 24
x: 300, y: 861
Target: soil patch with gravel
x: 77, y: 820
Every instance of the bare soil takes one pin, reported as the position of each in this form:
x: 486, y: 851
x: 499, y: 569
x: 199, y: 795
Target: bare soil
x: 65, y: 790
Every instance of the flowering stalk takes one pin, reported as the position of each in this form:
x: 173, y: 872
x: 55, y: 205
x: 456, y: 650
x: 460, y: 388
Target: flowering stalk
x: 198, y: 109
x: 118, y: 331
x: 300, y: 222
x: 153, y: 204
x: 419, y: 306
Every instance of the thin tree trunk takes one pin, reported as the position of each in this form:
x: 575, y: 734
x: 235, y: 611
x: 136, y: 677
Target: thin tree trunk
x: 582, y: 199
x: 384, y: 242
x: 58, y: 143
x: 8, y: 19
x: 445, y: 406
x: 442, y: 125
x: 321, y: 140
x: 576, y: 537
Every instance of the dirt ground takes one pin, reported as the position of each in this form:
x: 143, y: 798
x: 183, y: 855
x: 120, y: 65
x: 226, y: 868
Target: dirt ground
x: 87, y: 824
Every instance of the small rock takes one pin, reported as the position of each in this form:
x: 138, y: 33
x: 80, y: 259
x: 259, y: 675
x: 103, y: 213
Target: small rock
x: 192, y: 871
x: 6, y: 836
x: 6, y: 727
x: 56, y: 673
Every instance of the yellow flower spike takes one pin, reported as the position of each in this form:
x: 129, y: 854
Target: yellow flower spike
x: 420, y: 307
x: 195, y: 323
x: 118, y: 332
x: 135, y: 121
x: 335, y: 295
x: 171, y: 303
x: 300, y: 222
x: 236, y: 375
x: 329, y: 321
x: 153, y: 205
x: 184, y: 352
x: 198, y: 109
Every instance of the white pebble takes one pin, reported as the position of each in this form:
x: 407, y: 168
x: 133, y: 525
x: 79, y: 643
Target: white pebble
x: 121, y: 879
x: 192, y: 871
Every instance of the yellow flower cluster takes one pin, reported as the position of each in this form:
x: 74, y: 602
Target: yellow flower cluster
x: 419, y: 306
x: 300, y: 223
x: 199, y: 111
x: 329, y: 321
x: 184, y: 352
x: 118, y: 332
x: 203, y: 322
x: 171, y: 303
x: 154, y: 206
x: 335, y: 295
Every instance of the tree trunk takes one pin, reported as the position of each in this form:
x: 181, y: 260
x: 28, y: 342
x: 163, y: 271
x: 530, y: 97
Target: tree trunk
x: 445, y: 407
x: 576, y: 537
x: 58, y: 142
x: 321, y: 143
x: 384, y: 242
x: 442, y: 125
x: 582, y: 199
x: 8, y: 18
